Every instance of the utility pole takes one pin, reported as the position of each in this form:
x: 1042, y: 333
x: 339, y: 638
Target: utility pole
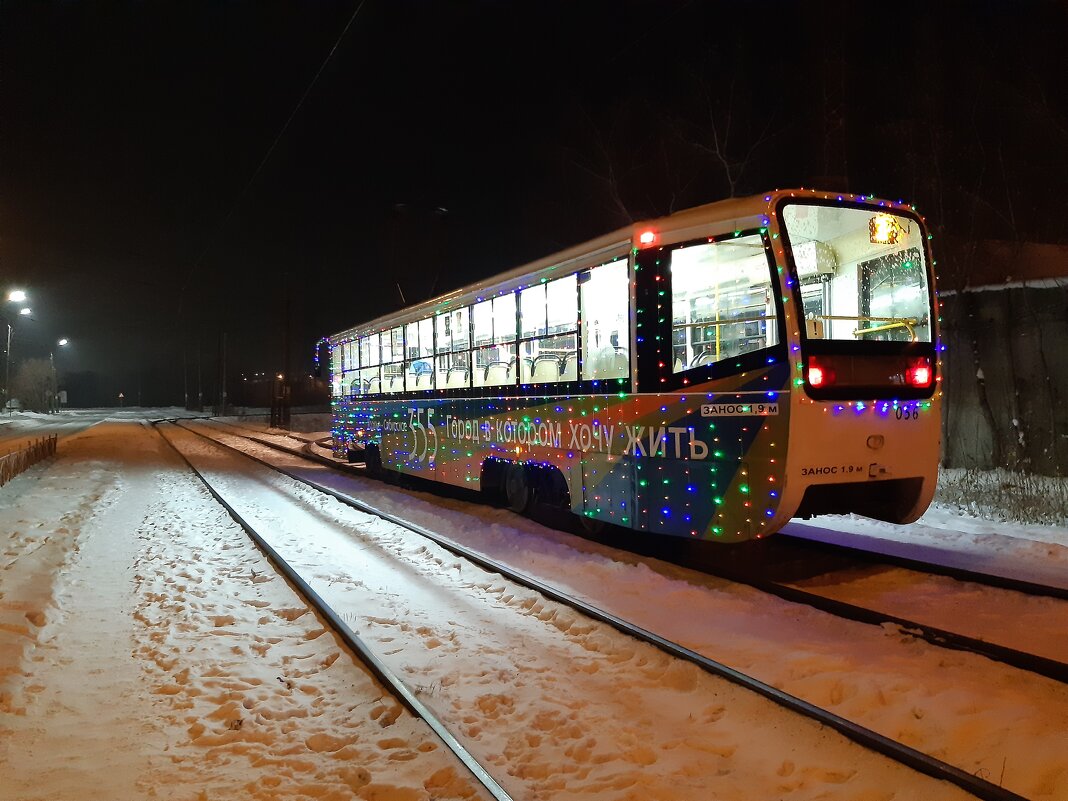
x: 282, y: 394
x: 7, y: 367
x: 220, y: 395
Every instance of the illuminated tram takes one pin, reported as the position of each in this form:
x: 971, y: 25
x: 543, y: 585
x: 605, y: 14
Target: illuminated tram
x: 709, y: 374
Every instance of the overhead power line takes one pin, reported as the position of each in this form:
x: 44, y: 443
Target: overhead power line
x: 266, y: 157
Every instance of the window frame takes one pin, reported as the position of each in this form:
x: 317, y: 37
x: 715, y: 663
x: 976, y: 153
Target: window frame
x: 844, y: 346
x: 516, y: 389
x: 656, y: 277
x: 862, y: 348
x: 575, y: 332
x: 628, y: 318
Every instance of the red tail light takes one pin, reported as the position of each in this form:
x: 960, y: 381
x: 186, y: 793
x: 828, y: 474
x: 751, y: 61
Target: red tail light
x: 919, y: 373
x: 819, y: 375
x: 868, y: 375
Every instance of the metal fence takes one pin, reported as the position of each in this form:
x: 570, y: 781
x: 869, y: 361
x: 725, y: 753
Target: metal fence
x: 11, y: 464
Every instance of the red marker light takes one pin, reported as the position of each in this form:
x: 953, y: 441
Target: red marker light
x: 919, y: 373
x: 646, y: 238
x: 819, y: 375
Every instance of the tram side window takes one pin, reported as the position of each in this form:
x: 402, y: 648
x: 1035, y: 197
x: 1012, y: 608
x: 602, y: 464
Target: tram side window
x: 605, y: 299
x: 392, y: 360
x: 453, y: 361
x: 722, y: 302
x: 353, y: 376
x: 548, y: 348
x: 370, y: 356
x: 494, y: 357
x: 419, y: 355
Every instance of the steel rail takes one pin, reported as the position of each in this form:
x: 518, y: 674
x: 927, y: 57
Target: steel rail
x: 960, y: 573
x: 872, y: 740
x: 1022, y: 660
x: 358, y: 646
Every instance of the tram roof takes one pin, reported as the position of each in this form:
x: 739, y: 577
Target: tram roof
x: 733, y: 213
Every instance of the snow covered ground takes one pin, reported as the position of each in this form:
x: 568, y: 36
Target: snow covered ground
x: 147, y: 650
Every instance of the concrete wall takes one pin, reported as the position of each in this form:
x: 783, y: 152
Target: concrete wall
x: 1011, y: 346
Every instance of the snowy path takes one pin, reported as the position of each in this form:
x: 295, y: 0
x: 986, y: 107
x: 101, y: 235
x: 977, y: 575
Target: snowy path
x: 159, y: 656
x: 1004, y: 724
x: 18, y: 433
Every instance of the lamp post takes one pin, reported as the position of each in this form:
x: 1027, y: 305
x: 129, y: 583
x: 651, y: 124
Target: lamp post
x: 54, y: 403
x: 14, y: 296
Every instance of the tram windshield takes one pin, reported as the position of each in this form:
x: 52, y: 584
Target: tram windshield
x: 862, y: 273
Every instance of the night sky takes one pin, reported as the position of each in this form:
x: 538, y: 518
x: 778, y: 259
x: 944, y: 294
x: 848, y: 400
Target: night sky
x: 144, y: 209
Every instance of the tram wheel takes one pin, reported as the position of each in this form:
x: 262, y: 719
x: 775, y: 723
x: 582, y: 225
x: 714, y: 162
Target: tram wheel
x: 591, y: 525
x: 517, y: 492
x: 373, y: 461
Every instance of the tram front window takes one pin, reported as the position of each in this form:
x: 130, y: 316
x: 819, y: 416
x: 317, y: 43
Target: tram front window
x: 862, y: 273
x: 862, y: 282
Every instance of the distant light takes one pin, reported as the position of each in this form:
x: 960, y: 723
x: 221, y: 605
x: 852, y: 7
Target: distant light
x: 25, y: 312
x: 64, y: 341
x: 16, y: 296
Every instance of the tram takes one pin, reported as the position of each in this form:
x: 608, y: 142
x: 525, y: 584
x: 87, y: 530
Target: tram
x: 709, y: 374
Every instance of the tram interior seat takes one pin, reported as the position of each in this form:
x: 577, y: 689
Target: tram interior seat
x: 610, y: 362
x: 677, y: 366
x: 570, y: 368
x: 457, y: 377
x: 497, y: 373
x: 546, y: 369
x: 374, y: 386
x: 706, y: 357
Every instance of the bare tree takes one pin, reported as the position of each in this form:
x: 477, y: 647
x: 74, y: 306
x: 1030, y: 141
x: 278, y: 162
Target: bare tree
x: 33, y: 384
x: 730, y: 137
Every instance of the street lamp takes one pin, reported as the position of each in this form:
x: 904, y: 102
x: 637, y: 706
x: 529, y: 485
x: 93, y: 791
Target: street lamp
x: 14, y: 296
x: 54, y: 400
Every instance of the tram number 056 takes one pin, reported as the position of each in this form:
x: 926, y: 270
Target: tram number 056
x: 907, y: 413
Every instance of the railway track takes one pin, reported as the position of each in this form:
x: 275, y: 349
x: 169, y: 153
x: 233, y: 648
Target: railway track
x: 365, y: 654
x: 856, y: 555
x: 869, y: 739
x: 755, y: 575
